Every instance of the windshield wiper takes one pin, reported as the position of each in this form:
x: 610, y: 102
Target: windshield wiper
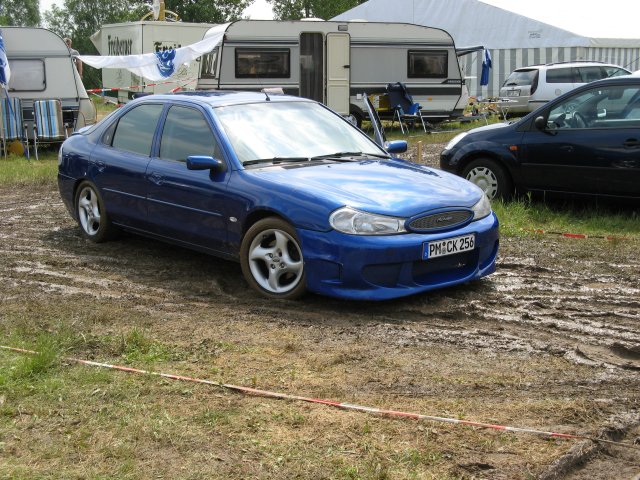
x: 276, y: 160
x: 341, y: 155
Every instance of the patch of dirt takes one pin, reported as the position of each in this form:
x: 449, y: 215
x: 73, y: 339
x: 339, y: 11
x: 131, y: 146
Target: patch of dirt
x: 550, y: 341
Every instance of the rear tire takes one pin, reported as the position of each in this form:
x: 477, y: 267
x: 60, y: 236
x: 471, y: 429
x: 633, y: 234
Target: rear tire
x: 92, y: 215
x: 491, y: 177
x: 357, y: 119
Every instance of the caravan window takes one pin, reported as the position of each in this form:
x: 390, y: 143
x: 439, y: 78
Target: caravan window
x: 263, y: 63
x: 208, y: 64
x: 27, y: 76
x: 427, y: 64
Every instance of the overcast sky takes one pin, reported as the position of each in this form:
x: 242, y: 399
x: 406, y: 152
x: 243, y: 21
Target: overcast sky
x: 603, y: 18
x: 260, y: 9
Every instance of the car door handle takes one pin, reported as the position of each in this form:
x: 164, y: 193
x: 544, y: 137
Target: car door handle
x: 156, y: 178
x: 631, y: 142
x: 567, y: 148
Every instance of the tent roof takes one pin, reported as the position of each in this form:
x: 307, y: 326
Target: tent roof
x: 472, y: 22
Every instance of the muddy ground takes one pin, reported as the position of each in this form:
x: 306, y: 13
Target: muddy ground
x: 551, y: 341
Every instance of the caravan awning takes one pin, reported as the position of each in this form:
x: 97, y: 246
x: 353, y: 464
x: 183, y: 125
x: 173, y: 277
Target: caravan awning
x: 160, y: 65
x: 461, y: 52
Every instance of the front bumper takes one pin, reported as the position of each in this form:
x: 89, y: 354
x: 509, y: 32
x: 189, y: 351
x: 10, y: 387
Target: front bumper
x: 385, y: 267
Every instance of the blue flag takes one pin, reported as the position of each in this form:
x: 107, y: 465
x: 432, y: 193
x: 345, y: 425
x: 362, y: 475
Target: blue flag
x: 486, y: 66
x: 5, y: 72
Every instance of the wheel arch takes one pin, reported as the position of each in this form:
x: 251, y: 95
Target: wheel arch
x: 465, y: 161
x: 260, y: 214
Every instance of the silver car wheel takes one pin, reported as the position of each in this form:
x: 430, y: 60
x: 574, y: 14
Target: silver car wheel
x: 484, y: 178
x: 275, y: 261
x: 89, y: 211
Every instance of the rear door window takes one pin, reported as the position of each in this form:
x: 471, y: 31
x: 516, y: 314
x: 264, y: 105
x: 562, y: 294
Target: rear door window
x: 135, y: 129
x: 562, y: 75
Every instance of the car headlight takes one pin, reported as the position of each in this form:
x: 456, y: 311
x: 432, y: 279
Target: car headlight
x: 482, y: 208
x: 355, y: 222
x: 454, y: 141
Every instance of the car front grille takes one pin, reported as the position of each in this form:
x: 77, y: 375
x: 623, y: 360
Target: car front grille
x: 440, y: 221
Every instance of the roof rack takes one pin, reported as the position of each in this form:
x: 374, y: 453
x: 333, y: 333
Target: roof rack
x: 576, y: 61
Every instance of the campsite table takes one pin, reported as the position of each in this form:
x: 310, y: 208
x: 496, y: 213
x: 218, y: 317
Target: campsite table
x: 497, y: 105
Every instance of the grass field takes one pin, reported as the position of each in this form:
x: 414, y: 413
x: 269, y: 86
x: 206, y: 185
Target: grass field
x: 141, y: 304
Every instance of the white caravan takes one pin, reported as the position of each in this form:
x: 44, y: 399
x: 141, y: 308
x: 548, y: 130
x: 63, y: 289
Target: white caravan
x: 135, y: 38
x: 335, y: 62
x: 42, y: 69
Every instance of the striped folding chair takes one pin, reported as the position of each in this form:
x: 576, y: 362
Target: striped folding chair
x: 12, y: 124
x: 48, y: 126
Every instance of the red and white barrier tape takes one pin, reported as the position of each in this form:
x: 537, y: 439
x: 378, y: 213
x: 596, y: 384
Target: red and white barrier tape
x: 573, y: 235
x: 115, y: 89
x: 331, y: 403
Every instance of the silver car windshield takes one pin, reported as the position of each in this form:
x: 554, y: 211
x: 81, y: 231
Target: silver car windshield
x: 290, y: 130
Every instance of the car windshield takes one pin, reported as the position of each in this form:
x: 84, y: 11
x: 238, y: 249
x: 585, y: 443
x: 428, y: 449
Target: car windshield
x: 520, y: 77
x: 283, y: 131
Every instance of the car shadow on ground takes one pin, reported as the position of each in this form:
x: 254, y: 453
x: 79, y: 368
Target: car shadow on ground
x: 196, y: 276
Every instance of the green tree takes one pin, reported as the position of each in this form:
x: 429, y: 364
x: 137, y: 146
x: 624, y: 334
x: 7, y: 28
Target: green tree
x: 79, y: 19
x: 297, y: 9
x: 203, y: 11
x: 20, y: 13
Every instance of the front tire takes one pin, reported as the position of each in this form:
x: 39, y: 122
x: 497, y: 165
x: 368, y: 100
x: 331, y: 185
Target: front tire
x: 490, y: 177
x: 272, y: 261
x: 92, y: 215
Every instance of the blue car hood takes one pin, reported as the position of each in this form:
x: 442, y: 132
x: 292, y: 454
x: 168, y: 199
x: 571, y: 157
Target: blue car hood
x: 378, y: 186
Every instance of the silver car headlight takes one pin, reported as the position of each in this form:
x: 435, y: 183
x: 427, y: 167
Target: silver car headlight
x: 454, y: 141
x: 482, y: 208
x: 354, y: 222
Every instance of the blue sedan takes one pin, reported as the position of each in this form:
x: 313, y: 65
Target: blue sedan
x: 300, y: 197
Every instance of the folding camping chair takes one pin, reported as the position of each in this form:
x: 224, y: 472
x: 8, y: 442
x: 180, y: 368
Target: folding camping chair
x: 404, y: 108
x: 48, y: 126
x: 12, y: 124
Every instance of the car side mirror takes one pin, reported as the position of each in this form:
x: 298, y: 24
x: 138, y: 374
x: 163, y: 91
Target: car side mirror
x: 540, y: 123
x: 202, y: 162
x: 396, y: 146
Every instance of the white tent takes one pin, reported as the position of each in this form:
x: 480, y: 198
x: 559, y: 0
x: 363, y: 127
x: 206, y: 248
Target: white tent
x: 514, y: 40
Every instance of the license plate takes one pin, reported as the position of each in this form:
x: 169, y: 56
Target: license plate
x: 513, y: 93
x: 449, y: 246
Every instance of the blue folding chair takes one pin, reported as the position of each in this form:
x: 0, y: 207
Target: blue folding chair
x: 404, y: 108
x: 48, y: 126
x: 12, y: 124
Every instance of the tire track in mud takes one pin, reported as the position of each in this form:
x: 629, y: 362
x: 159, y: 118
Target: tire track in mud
x: 547, y: 296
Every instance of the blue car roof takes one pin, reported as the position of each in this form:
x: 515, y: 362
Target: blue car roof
x: 218, y: 98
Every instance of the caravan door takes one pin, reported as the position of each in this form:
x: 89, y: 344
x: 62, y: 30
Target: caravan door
x: 312, y: 66
x: 338, y: 72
